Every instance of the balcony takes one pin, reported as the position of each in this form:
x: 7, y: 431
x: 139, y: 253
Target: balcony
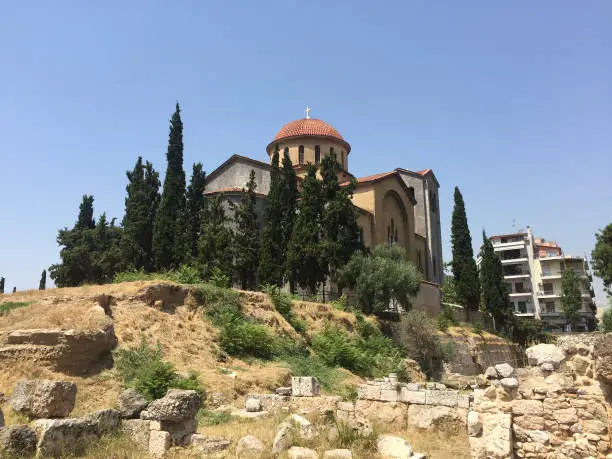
x: 511, y: 261
x: 548, y: 294
x: 552, y: 274
x: 519, y: 294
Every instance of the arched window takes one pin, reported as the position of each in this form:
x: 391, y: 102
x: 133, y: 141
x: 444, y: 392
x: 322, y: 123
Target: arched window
x: 287, y: 150
x: 317, y: 154
x: 342, y: 160
x: 331, y: 151
x: 301, y: 154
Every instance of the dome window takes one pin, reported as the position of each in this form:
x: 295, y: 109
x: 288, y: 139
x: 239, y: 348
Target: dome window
x: 301, y: 154
x: 317, y: 154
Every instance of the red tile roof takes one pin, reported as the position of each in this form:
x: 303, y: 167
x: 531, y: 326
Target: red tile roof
x: 307, y: 126
x: 424, y: 172
x: 230, y: 189
x: 371, y: 178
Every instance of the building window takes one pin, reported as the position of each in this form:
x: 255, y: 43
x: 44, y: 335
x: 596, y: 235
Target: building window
x: 301, y: 154
x: 392, y: 233
x: 332, y: 152
x: 522, y: 307
x: 550, y: 306
x: 342, y: 160
x: 287, y: 151
x: 548, y: 288
x: 419, y: 261
x: 433, y: 202
x: 435, y: 267
x: 317, y: 154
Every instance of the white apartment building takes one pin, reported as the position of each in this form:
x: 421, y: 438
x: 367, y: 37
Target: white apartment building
x: 533, y: 269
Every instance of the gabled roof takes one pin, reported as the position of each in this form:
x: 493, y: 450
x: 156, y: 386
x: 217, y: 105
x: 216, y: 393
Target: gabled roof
x: 237, y: 158
x: 231, y: 190
x: 422, y: 174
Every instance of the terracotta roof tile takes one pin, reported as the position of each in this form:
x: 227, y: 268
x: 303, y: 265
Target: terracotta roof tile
x: 229, y: 189
x: 307, y: 126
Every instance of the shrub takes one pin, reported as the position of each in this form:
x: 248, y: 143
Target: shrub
x: 8, y: 306
x: 184, y: 275
x: 218, y: 278
x: 606, y: 320
x: 283, y: 303
x: 527, y: 332
x: 446, y: 318
x: 145, y: 370
x: 213, y: 418
x: 477, y: 328
x: 306, y: 365
x: 340, y: 304
x: 132, y: 276
x: 417, y: 333
x: 244, y: 339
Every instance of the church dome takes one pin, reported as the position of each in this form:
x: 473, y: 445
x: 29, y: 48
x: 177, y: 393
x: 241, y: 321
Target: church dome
x: 307, y: 127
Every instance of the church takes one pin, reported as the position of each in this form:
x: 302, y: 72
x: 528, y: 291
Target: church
x: 398, y: 206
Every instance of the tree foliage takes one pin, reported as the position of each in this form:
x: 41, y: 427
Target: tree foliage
x: 2, y: 281
x: 141, y: 205
x: 246, y: 239
x: 271, y: 261
x: 601, y: 257
x: 382, y: 279
x: 606, y: 320
x: 288, y: 211
x: 42, y: 285
x: 168, y: 246
x: 304, y: 257
x: 195, y: 211
x: 341, y: 233
x: 571, y: 297
x: 448, y: 290
x: 494, y: 291
x: 464, y: 265
x: 215, y: 241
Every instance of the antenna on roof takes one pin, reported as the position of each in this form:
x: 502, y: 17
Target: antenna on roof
x: 307, y: 112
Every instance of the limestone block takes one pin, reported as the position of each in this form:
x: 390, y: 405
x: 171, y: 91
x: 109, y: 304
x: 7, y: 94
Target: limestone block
x: 57, y: 437
x: 393, y: 447
x: 297, y: 452
x: 305, y: 428
x: 411, y: 396
x: 346, y: 406
x: 389, y: 395
x: 106, y: 421
x: 130, y: 404
x: 368, y: 392
x: 249, y: 447
x: 138, y: 430
x: 338, y: 454
x: 565, y: 415
x: 305, y: 386
x: 595, y: 427
x: 509, y: 383
x: 496, y: 439
x: 579, y: 364
x: 282, y: 440
x: 283, y: 391
x: 159, y: 443
x: 547, y: 366
x: 413, y: 386
x: 440, y: 417
x: 252, y: 405
x: 474, y: 424
x: 504, y: 370
x: 463, y: 401
x: 41, y: 398
x: 17, y: 440
x: 530, y: 407
x: 545, y: 353
x: 392, y: 415
x: 180, y: 432
x: 491, y: 373
x: 442, y: 397
x: 208, y: 445
x: 177, y: 405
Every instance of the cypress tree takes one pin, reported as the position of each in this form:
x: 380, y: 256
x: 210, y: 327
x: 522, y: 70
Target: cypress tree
x: 14, y: 289
x: 270, y: 253
x: 341, y: 234
x: 85, y: 219
x: 571, y: 297
x: 305, y: 257
x: 140, y: 207
x: 2, y: 284
x: 494, y: 291
x: 464, y: 265
x: 246, y: 240
x: 289, y: 196
x: 195, y: 210
x: 215, y: 244
x: 42, y: 285
x: 168, y: 248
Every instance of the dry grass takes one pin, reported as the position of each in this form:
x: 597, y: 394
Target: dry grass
x: 438, y: 444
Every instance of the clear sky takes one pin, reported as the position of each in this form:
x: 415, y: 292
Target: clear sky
x: 511, y: 101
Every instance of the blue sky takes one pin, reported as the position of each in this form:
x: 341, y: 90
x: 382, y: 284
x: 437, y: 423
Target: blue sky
x: 511, y: 101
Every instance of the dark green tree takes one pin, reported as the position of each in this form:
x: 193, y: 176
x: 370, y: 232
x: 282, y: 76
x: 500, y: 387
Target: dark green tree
x: 448, y: 290
x: 304, y: 255
x: 341, y: 233
x: 85, y: 219
x: 195, y: 210
x: 289, y: 204
x: 14, y: 289
x: 140, y: 207
x: 2, y: 280
x: 215, y: 244
x: 271, y: 257
x: 571, y: 297
x: 42, y: 285
x: 168, y: 241
x: 465, y: 271
x: 494, y: 291
x: 601, y: 257
x: 246, y: 238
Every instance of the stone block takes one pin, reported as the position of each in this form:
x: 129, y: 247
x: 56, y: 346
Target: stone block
x: 177, y: 405
x: 389, y: 395
x: 595, y: 427
x: 393, y: 447
x: 58, y: 437
x: 530, y: 407
x: 282, y: 439
x: 435, y: 417
x: 17, y: 440
x: 41, y: 398
x: 338, y: 454
x: 346, y: 406
x: 159, y: 443
x: 297, y: 452
x: 138, y: 430
x: 490, y: 373
x: 474, y: 424
x: 509, y: 383
x: 545, y: 353
x: 305, y: 386
x: 249, y: 447
x: 106, y: 421
x: 391, y: 415
x: 283, y: 391
x: 252, y: 405
x: 463, y: 401
x: 442, y: 397
x: 504, y: 370
x: 413, y: 386
x: 208, y: 445
x: 411, y: 396
x: 130, y: 404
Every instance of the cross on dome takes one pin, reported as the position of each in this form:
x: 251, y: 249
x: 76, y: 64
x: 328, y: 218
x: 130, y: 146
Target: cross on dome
x: 307, y: 112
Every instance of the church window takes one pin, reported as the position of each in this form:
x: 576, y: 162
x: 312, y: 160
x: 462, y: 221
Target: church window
x: 301, y: 154
x: 392, y: 233
x: 317, y: 154
x: 331, y: 152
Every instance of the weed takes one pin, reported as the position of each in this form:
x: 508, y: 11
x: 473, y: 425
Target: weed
x: 8, y: 306
x: 213, y: 418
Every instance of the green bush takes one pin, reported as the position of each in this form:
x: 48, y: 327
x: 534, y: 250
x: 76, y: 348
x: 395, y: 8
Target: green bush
x: 8, y: 306
x: 245, y: 339
x: 606, y: 321
x: 185, y: 274
x: 218, y: 278
x: 311, y: 365
x: 341, y: 303
x: 213, y: 418
x: 132, y: 276
x: 446, y: 318
x: 283, y: 303
x: 145, y: 370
